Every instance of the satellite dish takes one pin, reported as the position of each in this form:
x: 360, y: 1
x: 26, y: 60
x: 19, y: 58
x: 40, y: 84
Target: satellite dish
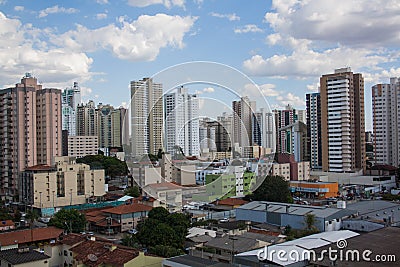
x: 92, y: 257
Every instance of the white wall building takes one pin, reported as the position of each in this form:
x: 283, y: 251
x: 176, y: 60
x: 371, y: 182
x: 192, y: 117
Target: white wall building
x: 182, y: 122
x: 146, y: 117
x: 386, y: 118
x: 71, y: 97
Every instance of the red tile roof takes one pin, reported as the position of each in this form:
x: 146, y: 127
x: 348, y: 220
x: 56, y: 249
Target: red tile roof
x: 40, y: 167
x: 126, y: 209
x: 29, y: 235
x: 230, y: 202
x: 98, y: 253
x: 7, y: 223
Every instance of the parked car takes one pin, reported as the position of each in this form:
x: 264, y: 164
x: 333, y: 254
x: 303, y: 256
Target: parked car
x: 44, y: 219
x: 224, y: 220
x: 133, y: 231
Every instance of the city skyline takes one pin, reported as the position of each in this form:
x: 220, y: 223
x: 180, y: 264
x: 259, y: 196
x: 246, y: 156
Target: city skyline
x: 284, y: 47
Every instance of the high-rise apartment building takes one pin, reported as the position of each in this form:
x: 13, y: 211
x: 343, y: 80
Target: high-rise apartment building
x: 313, y: 108
x: 71, y: 97
x: 87, y: 119
x: 146, y: 117
x: 182, y: 122
x: 264, y: 129
x: 283, y: 118
x: 226, y: 122
x: 30, y: 130
x: 213, y: 136
x: 243, y: 113
x: 342, y: 121
x: 103, y: 121
x: 386, y: 121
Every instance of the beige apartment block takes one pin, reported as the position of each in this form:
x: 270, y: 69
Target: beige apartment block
x: 82, y: 145
x: 63, y: 184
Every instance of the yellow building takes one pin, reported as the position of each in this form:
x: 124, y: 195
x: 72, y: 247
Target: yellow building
x: 67, y: 183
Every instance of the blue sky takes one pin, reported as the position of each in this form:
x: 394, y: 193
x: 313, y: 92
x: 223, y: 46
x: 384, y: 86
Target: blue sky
x: 284, y: 46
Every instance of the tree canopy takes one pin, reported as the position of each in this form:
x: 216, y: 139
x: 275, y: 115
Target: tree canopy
x: 273, y: 188
x: 133, y: 191
x: 162, y: 232
x: 112, y: 166
x: 70, y: 220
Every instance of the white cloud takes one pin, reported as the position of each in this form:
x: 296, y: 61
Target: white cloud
x: 348, y: 22
x: 102, y: 2
x: 209, y: 90
x: 324, y: 35
x: 56, y: 9
x: 308, y: 62
x: 313, y: 87
x: 291, y: 99
x: 230, y: 17
x: 19, y: 8
x: 166, y: 3
x: 86, y: 91
x: 101, y: 16
x: 53, y: 66
x: 263, y: 90
x: 141, y: 39
x: 248, y: 28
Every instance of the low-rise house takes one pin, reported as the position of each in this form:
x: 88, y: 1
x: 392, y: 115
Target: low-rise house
x: 228, y: 203
x: 23, y: 257
x: 19, y: 238
x: 167, y: 195
x: 83, y: 250
x: 7, y: 225
x: 117, y: 219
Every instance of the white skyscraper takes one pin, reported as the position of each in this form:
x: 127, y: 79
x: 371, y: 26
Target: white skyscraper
x: 146, y: 117
x: 71, y: 97
x: 264, y: 129
x: 386, y: 121
x: 182, y: 122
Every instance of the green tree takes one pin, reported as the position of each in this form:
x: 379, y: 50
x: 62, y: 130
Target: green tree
x: 309, y: 220
x: 133, y: 191
x: 158, y: 213
x: 32, y: 216
x: 70, y: 220
x: 163, y: 233
x: 273, y: 188
x: 112, y: 166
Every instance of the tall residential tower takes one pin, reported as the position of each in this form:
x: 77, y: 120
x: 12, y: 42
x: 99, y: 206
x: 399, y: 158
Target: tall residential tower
x: 386, y: 121
x: 342, y: 121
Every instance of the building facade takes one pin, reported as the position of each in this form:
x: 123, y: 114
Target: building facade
x: 30, y: 130
x: 71, y: 97
x: 314, y: 146
x: 342, y: 121
x: 182, y: 122
x: 386, y: 121
x: 146, y: 117
x: 62, y: 184
x: 243, y: 112
x: 82, y: 145
x: 283, y: 118
x: 264, y: 129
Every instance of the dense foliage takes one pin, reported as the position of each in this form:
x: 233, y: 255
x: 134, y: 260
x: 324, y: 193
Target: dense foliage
x: 133, y: 191
x: 273, y: 188
x: 70, y: 220
x: 113, y: 167
x: 163, y: 233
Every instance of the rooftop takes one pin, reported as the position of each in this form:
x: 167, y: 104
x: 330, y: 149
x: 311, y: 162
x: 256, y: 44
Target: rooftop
x: 188, y: 260
x: 230, y: 202
x: 29, y: 235
x: 296, y: 209
x: 164, y: 186
x: 126, y: 209
x: 6, y: 223
x: 17, y: 256
x: 40, y: 167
